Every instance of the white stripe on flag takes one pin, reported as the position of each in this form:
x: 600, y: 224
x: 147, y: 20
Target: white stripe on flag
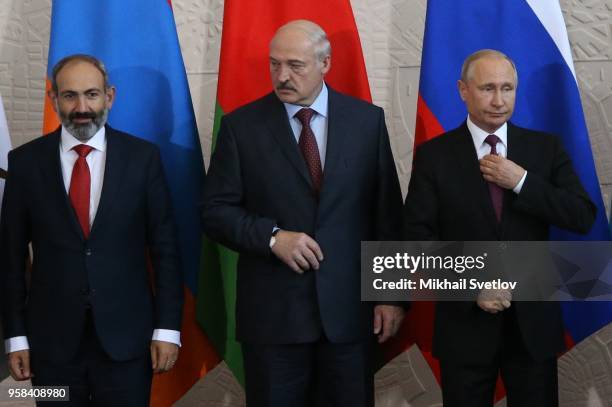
x: 5, y: 144
x: 550, y: 15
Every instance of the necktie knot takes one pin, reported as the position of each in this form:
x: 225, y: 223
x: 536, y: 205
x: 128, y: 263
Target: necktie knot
x: 492, y: 140
x: 304, y: 115
x: 82, y: 150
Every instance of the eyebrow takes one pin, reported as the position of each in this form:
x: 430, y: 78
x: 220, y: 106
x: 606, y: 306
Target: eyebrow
x: 291, y: 61
x: 495, y: 84
x: 86, y: 91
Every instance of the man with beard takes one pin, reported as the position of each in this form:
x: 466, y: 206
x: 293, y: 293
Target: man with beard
x: 94, y: 204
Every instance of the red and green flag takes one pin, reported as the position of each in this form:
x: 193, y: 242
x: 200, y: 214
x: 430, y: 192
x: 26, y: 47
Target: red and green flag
x: 248, y: 27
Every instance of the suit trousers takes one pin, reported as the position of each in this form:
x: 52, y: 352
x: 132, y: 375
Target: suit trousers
x: 93, y: 378
x: 320, y: 374
x: 528, y: 382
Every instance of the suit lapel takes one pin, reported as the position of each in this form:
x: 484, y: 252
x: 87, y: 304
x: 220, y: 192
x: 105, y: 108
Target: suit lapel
x: 518, y: 152
x: 114, y: 168
x: 475, y: 184
x: 277, y: 123
x: 51, y: 168
x: 518, y: 148
x: 338, y: 129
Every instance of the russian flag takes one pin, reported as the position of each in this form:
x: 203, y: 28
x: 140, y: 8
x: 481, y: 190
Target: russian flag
x: 138, y: 42
x: 533, y: 34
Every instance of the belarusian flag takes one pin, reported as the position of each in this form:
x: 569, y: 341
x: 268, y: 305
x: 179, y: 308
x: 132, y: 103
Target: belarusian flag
x: 137, y: 41
x: 248, y: 27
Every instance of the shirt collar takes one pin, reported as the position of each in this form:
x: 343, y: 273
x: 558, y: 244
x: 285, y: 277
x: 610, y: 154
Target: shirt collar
x: 98, y: 141
x: 479, y: 135
x: 319, y: 105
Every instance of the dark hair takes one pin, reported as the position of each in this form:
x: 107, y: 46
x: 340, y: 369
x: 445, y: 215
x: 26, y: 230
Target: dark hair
x: 99, y: 65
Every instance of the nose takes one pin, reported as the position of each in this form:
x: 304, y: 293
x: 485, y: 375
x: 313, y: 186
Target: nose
x: 498, y: 99
x: 283, y: 74
x: 81, y: 104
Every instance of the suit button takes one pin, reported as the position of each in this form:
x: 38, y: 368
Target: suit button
x: 87, y: 252
x: 84, y: 291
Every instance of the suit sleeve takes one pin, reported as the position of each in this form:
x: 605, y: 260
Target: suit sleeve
x: 163, y: 247
x: 421, y: 207
x: 561, y: 200
x: 14, y: 240
x: 390, y: 201
x: 224, y: 216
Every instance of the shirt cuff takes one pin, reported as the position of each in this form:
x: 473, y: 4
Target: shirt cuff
x: 167, y: 335
x: 16, y: 343
x: 519, y: 186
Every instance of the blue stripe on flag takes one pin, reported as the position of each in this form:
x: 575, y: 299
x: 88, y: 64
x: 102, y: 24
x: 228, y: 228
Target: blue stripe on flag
x: 547, y: 98
x: 137, y: 41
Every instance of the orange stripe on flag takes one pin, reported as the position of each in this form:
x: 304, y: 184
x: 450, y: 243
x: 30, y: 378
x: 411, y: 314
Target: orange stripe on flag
x: 50, y: 120
x: 196, y: 358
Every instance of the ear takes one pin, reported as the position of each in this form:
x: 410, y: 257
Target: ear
x: 326, y: 65
x: 110, y: 96
x: 462, y: 86
x: 53, y: 98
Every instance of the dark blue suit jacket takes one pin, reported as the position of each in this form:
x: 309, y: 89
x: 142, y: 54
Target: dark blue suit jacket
x: 258, y: 179
x: 107, y: 272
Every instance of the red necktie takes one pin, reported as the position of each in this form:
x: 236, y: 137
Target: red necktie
x: 310, y: 150
x: 495, y: 191
x: 80, y: 185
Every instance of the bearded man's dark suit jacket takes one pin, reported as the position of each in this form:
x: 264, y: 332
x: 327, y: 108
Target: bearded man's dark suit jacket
x: 106, y: 273
x: 448, y: 200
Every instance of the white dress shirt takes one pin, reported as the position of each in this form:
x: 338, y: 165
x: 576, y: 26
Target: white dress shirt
x: 96, y: 161
x: 482, y: 148
x: 318, y: 123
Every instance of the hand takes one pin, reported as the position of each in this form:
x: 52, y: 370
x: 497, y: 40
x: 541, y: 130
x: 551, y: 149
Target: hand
x: 19, y: 365
x: 297, y: 250
x: 494, y: 301
x: 387, y: 321
x: 163, y: 355
x: 501, y: 171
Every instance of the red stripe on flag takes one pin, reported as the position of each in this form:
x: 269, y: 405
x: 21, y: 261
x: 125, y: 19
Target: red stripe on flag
x: 427, y: 125
x: 196, y: 358
x: 248, y: 27
x: 417, y: 329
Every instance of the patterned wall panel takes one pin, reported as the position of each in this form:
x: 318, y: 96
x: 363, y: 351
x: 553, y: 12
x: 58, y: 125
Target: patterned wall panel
x: 24, y: 37
x: 391, y: 33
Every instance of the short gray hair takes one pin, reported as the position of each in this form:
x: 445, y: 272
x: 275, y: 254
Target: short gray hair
x: 99, y: 65
x: 316, y: 35
x: 483, y: 53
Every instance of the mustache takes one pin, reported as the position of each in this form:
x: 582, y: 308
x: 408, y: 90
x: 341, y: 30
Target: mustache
x: 285, y: 86
x: 82, y: 115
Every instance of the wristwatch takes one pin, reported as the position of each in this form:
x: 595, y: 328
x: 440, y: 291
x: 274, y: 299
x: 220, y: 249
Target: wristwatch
x: 273, y: 237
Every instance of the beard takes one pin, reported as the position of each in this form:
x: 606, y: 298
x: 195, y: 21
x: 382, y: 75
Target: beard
x: 84, y: 131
